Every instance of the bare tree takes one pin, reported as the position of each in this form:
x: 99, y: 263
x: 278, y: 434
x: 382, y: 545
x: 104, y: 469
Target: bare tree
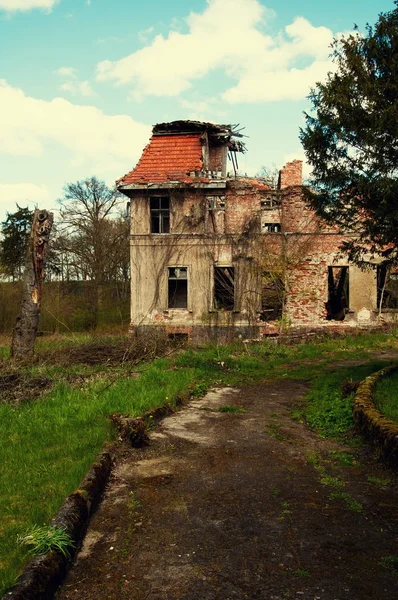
x: 93, y: 238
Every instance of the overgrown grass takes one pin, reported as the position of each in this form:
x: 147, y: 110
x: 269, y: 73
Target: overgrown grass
x: 326, y: 408
x: 47, y: 446
x: 386, y: 396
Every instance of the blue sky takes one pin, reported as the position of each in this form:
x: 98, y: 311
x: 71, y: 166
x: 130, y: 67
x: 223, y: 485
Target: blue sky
x: 82, y: 81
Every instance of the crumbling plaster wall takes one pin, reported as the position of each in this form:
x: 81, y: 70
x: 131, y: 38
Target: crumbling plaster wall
x: 201, y: 239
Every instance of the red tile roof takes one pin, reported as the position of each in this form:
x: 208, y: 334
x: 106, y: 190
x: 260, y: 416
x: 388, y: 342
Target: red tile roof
x: 168, y: 158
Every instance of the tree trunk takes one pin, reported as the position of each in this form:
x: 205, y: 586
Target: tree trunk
x: 26, y: 325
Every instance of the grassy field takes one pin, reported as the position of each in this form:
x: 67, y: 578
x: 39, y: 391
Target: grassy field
x: 48, y: 442
x: 386, y: 396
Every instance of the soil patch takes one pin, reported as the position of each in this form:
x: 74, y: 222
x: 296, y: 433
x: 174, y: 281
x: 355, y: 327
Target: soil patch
x: 241, y: 505
x: 16, y: 388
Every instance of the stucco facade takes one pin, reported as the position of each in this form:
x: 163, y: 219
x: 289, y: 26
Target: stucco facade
x: 214, y: 254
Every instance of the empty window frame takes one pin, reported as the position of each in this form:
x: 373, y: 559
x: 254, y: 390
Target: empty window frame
x: 269, y: 202
x: 272, y: 295
x: 160, y: 214
x: 338, y: 293
x: 178, y: 287
x: 387, y: 288
x: 271, y: 227
x: 224, y: 288
x: 215, y: 202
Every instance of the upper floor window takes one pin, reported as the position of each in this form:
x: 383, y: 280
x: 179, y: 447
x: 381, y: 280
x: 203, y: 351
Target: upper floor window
x: 271, y: 227
x: 160, y: 214
x: 270, y: 201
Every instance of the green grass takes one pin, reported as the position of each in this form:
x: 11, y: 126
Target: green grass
x: 40, y: 540
x: 386, y: 396
x: 349, y: 501
x: 47, y: 446
x: 326, y: 410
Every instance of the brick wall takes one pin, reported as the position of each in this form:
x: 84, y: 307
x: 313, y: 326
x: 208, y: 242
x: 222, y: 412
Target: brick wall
x: 291, y: 174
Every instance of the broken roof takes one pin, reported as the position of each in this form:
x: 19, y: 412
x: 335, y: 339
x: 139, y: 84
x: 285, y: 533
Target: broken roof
x: 174, y: 152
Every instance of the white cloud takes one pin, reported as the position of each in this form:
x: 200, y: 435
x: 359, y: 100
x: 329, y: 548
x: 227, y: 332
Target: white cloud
x: 73, y: 85
x: 23, y: 194
x: 228, y: 35
x: 23, y: 5
x: 78, y: 87
x: 66, y: 72
x: 109, y: 144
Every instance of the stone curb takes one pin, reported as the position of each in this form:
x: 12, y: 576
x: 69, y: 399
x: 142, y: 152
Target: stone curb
x: 371, y: 423
x: 44, y: 574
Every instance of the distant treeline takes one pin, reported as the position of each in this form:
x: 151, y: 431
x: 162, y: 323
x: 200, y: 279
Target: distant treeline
x: 70, y: 306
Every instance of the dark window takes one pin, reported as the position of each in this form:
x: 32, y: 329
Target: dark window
x: 160, y: 214
x: 271, y: 227
x: 387, y: 287
x: 338, y: 293
x: 178, y: 287
x: 272, y: 294
x: 224, y: 288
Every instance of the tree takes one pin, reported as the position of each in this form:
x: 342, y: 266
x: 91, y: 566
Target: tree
x: 13, y: 247
x: 351, y: 140
x: 24, y: 334
x: 93, y: 240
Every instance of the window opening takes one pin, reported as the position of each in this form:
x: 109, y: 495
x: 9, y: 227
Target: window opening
x: 160, y: 214
x: 271, y: 227
x: 338, y: 293
x: 224, y: 288
x: 272, y: 293
x: 387, y: 287
x: 216, y: 202
x: 270, y: 202
x: 178, y: 287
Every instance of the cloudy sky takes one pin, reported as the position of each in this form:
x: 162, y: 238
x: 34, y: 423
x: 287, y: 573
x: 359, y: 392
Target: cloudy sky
x: 82, y: 81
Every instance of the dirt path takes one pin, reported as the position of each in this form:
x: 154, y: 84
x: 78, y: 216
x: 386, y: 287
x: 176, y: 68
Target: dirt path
x: 226, y: 506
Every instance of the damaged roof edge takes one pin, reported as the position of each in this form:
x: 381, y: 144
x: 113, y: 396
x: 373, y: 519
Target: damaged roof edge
x: 187, y: 126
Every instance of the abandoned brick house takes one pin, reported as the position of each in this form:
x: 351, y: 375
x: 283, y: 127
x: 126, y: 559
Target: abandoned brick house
x: 214, y: 253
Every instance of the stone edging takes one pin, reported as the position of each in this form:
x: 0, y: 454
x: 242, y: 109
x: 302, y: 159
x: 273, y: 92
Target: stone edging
x: 372, y: 424
x: 43, y: 574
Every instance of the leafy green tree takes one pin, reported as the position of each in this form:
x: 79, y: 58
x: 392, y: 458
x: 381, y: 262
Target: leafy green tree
x: 351, y: 139
x: 13, y: 245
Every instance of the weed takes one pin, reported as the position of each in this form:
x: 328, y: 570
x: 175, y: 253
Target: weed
x: 273, y: 430
x: 229, y: 408
x: 199, y: 389
x: 41, y: 540
x: 133, y: 503
x: 332, y: 481
x: 274, y: 415
x: 276, y: 491
x: 351, y: 504
x: 302, y: 573
x: 344, y: 458
x: 390, y: 562
x: 378, y: 481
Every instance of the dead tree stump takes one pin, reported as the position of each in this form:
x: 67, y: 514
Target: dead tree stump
x: 24, y: 335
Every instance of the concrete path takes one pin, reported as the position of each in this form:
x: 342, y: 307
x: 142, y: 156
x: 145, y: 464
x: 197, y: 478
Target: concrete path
x: 224, y: 506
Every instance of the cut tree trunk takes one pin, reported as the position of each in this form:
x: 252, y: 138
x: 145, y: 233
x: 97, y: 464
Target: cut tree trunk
x: 26, y: 325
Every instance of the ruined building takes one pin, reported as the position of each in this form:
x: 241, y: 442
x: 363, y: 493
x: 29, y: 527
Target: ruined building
x: 214, y: 254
